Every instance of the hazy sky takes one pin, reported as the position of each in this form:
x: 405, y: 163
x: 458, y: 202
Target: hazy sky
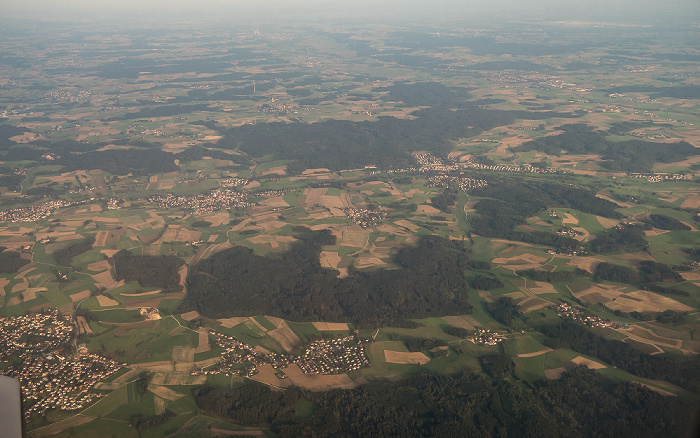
x: 414, y: 11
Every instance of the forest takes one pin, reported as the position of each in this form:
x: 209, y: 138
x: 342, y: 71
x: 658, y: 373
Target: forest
x: 581, y: 403
x: 627, y: 156
x: 10, y: 261
x: 294, y: 286
x: 149, y: 271
x: 681, y: 370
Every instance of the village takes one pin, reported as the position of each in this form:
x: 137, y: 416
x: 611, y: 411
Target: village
x: 34, y: 212
x: 575, y: 314
x: 216, y: 200
x: 38, y: 351
x: 320, y: 357
x: 487, y: 337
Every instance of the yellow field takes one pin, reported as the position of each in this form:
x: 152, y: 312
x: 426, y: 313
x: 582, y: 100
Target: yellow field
x: 405, y: 357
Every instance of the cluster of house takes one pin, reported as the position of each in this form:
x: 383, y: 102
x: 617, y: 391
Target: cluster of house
x: 464, y: 183
x: 333, y: 356
x: 51, y: 375
x: 55, y: 381
x: 321, y: 357
x: 658, y: 177
x: 241, y: 358
x: 33, y: 212
x: 113, y: 203
x: 568, y: 231
x: 430, y: 163
x: 574, y: 313
x: 525, y: 168
x: 216, y: 200
x: 232, y: 182
x: 363, y: 217
x: 487, y: 337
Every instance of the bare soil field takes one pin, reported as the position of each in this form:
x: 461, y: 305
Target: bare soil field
x: 179, y: 235
x: 606, y: 222
x: 354, y: 238
x: 318, y: 382
x: 408, y: 225
x: 580, y: 360
x: 645, y: 301
x: 530, y: 304
x: 189, y: 316
x: 165, y: 392
x: 216, y: 219
x: 569, y: 219
x: 331, y: 326
x: 275, y: 201
x: 405, y: 357
x: 80, y: 295
x: 536, y: 353
x: 100, y: 266
x: 520, y: 259
x: 106, y: 301
x: 366, y: 262
x: 427, y: 209
x: 458, y: 321
x: 586, y: 263
x: 283, y: 334
x: 540, y: 287
x: 58, y: 427
x: 267, y: 375
x: 554, y: 373
x: 645, y: 335
x: 330, y: 259
x: 183, y: 354
x: 314, y: 197
x: 175, y: 379
x: 232, y: 322
x: 203, y: 345
x: 691, y: 202
x: 104, y: 279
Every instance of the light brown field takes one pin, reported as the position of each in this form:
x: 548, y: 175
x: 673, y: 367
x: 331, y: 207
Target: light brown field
x: 80, y: 295
x: 332, y: 202
x: 587, y: 263
x: 366, y: 262
x: 692, y: 276
x: 266, y: 374
x: 203, y: 345
x: 523, y: 259
x: 69, y: 423
x: 458, y: 321
x: 175, y: 379
x: 179, y: 235
x: 318, y: 382
x: 104, y: 279
x: 106, y: 301
x: 275, y: 201
x: 216, y: 219
x: 161, y: 365
x: 189, y: 316
x: 280, y: 170
x: 406, y: 224
x: 405, y: 357
x: 283, y: 334
x: 30, y: 293
x: 647, y: 336
x: 691, y: 202
x: 164, y: 392
x: 265, y: 240
x: 142, y: 294
x: 569, y: 219
x: 312, y: 171
x: 427, y: 209
x: 530, y: 304
x: 580, y: 360
x: 232, y: 322
x: 353, y: 237
x: 645, y: 301
x: 314, y: 196
x: 257, y: 324
x: 330, y: 259
x: 100, y: 266
x: 182, y: 354
x: 606, y: 222
x: 3, y: 282
x: 554, y: 373
x: 536, y: 353
x: 540, y: 287
x: 331, y: 326
x: 14, y: 301
x: 83, y: 326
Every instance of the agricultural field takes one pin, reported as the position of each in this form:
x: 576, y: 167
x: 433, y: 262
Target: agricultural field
x: 206, y: 217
